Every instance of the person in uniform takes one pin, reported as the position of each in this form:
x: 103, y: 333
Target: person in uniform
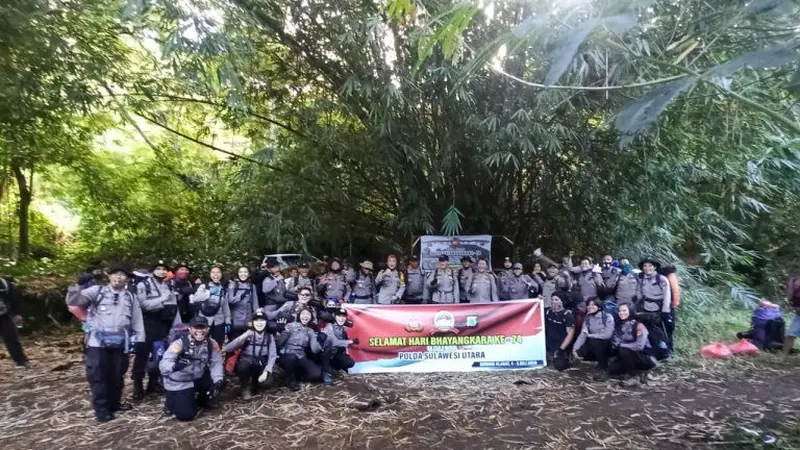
x: 295, y: 343
x: 483, y: 288
x: 159, y: 311
x: 559, y: 326
x: 519, y: 286
x: 443, y: 283
x: 242, y: 302
x: 258, y: 356
x: 415, y: 282
x: 631, y: 345
x: 465, y: 274
x: 349, y: 272
x: 193, y: 371
x: 113, y: 323
x: 610, y: 276
x: 553, y: 281
x: 10, y: 319
x: 594, y: 340
x: 588, y: 278
x: 391, y: 283
x: 300, y: 281
x: 627, y: 285
x: 334, y: 285
x: 211, y: 300
x: 181, y: 285
x: 273, y: 287
x: 363, y: 290
x: 337, y: 342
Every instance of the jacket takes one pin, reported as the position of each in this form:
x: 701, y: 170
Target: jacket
x: 242, y: 302
x: 599, y: 325
x: 296, y: 339
x: 109, y: 312
x: 197, y: 360
x: 253, y: 348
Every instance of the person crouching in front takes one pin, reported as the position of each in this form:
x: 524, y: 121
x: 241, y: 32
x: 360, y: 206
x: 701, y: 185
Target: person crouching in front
x: 594, y: 340
x: 295, y: 342
x: 192, y: 370
x: 257, y: 360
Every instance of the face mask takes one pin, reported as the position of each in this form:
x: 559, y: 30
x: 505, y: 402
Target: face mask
x: 181, y: 276
x: 626, y: 269
x: 606, y: 264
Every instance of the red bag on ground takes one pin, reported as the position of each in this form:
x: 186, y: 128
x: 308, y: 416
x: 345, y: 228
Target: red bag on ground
x: 744, y: 348
x: 716, y: 350
x: 231, y: 360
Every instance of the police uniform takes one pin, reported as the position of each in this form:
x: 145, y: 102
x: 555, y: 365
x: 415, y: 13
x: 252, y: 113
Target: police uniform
x: 274, y: 292
x: 294, y: 345
x: 192, y: 373
x: 334, y: 286
x: 610, y: 276
x: 8, y: 329
x: 159, y: 312
x: 517, y: 287
x: 465, y: 275
x: 258, y: 353
x: 242, y: 302
x: 113, y: 323
x: 655, y: 297
x: 443, y: 284
x: 337, y: 341
x: 415, y: 285
x: 627, y: 289
x: 483, y: 288
x: 390, y: 287
x: 363, y: 290
x: 296, y: 283
x: 183, y: 289
x: 213, y: 305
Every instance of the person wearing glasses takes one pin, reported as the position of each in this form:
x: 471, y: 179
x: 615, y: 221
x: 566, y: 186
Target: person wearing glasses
x: 113, y: 324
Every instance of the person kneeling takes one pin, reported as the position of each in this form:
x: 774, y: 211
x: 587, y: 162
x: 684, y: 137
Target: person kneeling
x: 337, y: 342
x: 594, y: 341
x: 632, y: 347
x: 258, y: 356
x: 295, y: 342
x: 192, y: 371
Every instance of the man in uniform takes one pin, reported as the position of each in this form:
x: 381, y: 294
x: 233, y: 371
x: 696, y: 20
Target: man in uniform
x: 300, y: 281
x: 363, y: 291
x: 465, y: 274
x: 273, y: 287
x: 483, y: 287
x: 610, y: 276
x: 183, y: 287
x: 627, y: 285
x: 554, y: 281
x: 9, y: 320
x: 507, y: 272
x: 518, y: 286
x: 113, y: 323
x: 655, y: 297
x: 415, y: 283
x: 391, y: 283
x: 193, y: 372
x: 443, y: 283
x: 159, y: 309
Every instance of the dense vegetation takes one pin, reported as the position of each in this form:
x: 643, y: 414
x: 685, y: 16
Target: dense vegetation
x: 217, y: 130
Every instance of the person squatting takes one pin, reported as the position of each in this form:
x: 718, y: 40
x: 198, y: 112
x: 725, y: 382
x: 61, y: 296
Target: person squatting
x: 186, y: 332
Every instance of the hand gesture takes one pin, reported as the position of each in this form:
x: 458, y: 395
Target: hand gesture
x: 198, y: 281
x: 354, y: 341
x: 571, y: 253
x: 537, y: 252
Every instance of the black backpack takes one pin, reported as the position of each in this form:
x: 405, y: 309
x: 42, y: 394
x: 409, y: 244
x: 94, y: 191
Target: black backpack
x: 209, y: 308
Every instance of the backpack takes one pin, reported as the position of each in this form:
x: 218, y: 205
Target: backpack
x: 210, y: 309
x: 5, y: 297
x: 794, y: 292
x: 186, y: 344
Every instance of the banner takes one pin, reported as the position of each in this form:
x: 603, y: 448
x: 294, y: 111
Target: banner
x: 479, y: 246
x: 447, y: 338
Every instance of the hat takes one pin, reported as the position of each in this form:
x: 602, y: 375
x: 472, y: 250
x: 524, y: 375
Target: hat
x: 466, y: 258
x: 517, y: 266
x: 651, y: 261
x: 367, y: 265
x: 159, y: 263
x: 508, y: 258
x: 183, y: 264
x: 413, y: 258
x: 444, y: 258
x: 302, y: 266
x: 120, y: 267
x: 259, y: 314
x: 199, y: 321
x: 340, y: 312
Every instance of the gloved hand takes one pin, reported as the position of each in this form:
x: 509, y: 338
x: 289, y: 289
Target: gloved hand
x: 537, y: 252
x: 666, y: 317
x: 321, y: 338
x: 355, y: 341
x: 597, y: 269
x: 264, y: 376
x: 180, y: 365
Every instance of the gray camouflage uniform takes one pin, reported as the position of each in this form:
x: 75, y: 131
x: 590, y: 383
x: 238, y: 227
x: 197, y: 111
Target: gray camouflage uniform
x: 110, y: 311
x: 446, y: 289
x: 390, y: 286
x: 483, y: 288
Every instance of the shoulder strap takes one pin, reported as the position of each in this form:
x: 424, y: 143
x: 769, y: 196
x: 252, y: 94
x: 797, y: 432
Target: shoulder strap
x: 4, y: 287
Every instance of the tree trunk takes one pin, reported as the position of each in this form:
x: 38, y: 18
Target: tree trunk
x: 25, y: 197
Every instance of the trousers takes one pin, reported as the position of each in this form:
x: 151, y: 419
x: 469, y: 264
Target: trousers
x: 105, y: 371
x: 300, y: 368
x: 185, y: 403
x: 596, y: 350
x: 8, y: 331
x: 629, y: 362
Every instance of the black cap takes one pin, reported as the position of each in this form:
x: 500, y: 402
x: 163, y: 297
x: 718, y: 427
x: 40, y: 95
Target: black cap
x: 302, y: 266
x: 444, y: 258
x: 413, y: 258
x: 340, y: 312
x: 271, y: 264
x: 466, y: 258
x: 199, y: 321
x: 259, y: 314
x: 120, y: 267
x: 160, y: 263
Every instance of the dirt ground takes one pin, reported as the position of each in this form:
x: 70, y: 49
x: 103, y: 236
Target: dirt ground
x: 697, y: 406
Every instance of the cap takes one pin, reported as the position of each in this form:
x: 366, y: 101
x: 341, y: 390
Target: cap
x: 302, y: 266
x: 120, y: 267
x: 517, y: 266
x: 340, y: 312
x: 444, y: 258
x: 466, y: 258
x: 160, y: 263
x: 199, y: 321
x: 367, y: 265
x: 413, y: 258
x: 259, y: 314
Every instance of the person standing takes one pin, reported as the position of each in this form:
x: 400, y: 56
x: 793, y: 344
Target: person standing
x: 273, y: 287
x: 553, y: 282
x: 333, y: 285
x: 465, y: 274
x: 10, y: 319
x: 242, y: 302
x: 483, y: 288
x: 300, y: 281
x: 363, y: 291
x: 391, y: 283
x: 415, y: 283
x: 159, y: 311
x: 193, y: 371
x: 627, y: 284
x: 519, y: 286
x: 443, y: 283
x: 181, y: 285
x: 588, y: 278
x: 610, y: 276
x: 212, y: 298
x: 113, y: 323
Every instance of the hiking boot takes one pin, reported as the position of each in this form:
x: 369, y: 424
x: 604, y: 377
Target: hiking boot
x: 247, y: 394
x: 124, y: 406
x: 600, y: 375
x: 23, y: 366
x: 152, y: 385
x: 105, y: 418
x: 138, y: 391
x: 294, y: 386
x: 643, y: 378
x: 326, y: 379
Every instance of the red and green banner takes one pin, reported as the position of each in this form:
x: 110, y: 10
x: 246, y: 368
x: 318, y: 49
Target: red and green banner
x: 448, y: 338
